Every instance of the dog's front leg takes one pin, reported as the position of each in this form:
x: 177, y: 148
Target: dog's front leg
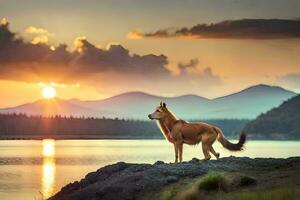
x: 176, y: 152
x: 180, y: 149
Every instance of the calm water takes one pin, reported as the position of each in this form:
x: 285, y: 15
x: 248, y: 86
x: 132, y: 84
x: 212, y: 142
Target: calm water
x: 36, y: 169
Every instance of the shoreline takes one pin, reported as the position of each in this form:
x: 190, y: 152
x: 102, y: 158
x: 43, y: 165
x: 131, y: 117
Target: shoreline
x: 106, y: 137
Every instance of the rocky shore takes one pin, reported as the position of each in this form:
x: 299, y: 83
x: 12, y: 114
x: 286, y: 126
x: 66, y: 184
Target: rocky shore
x: 151, y: 181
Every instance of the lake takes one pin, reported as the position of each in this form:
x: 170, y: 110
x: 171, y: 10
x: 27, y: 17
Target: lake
x: 35, y: 169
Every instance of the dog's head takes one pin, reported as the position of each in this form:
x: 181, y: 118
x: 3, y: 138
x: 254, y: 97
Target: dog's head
x: 160, y: 112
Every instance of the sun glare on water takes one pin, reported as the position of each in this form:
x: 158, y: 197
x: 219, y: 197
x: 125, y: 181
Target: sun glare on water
x: 48, y: 147
x: 49, y: 169
x: 49, y: 92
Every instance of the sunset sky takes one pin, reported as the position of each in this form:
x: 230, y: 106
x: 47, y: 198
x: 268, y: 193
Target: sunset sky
x: 95, y: 49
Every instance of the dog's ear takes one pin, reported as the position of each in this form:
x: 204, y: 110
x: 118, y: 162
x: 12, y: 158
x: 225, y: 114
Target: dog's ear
x: 161, y: 104
x: 164, y: 105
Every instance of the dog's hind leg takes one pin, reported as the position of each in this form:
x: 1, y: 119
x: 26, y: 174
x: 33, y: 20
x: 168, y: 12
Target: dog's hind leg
x: 217, y: 155
x: 205, y: 149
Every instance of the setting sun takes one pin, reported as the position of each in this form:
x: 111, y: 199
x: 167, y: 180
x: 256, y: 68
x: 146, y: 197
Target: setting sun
x: 49, y: 92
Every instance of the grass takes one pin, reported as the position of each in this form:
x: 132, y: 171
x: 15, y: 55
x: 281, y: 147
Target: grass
x: 212, y: 181
x: 215, y: 185
x: 209, y: 182
x: 292, y: 193
x: 169, y: 194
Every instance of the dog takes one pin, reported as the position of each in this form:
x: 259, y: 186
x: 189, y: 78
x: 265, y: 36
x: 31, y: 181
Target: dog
x: 179, y: 132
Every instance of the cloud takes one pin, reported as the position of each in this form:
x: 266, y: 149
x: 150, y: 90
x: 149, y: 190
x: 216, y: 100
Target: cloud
x: 42, y: 39
x: 4, y: 22
x: 112, y: 68
x: 20, y: 60
x: 230, y: 29
x: 184, y: 67
x: 41, y: 35
x: 290, y: 80
x: 36, y: 30
x: 135, y: 34
x: 206, y: 77
x: 117, y: 58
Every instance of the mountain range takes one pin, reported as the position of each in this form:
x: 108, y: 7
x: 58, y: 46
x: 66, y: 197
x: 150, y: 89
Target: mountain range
x: 246, y: 104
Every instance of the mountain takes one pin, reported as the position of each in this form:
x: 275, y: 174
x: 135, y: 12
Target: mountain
x: 137, y: 105
x: 245, y: 104
x: 279, y: 123
x: 54, y: 107
x: 249, y: 102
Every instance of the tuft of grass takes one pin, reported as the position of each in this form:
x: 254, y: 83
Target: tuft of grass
x: 212, y: 181
x: 292, y: 193
x: 209, y: 182
x: 189, y: 194
x: 169, y: 194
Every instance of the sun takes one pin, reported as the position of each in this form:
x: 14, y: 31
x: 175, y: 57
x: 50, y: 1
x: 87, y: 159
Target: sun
x: 49, y: 92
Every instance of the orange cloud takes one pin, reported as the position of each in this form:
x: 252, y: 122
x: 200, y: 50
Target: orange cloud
x: 135, y: 34
x: 79, y: 43
x: 42, y: 39
x: 36, y: 30
x: 41, y: 35
x: 4, y: 22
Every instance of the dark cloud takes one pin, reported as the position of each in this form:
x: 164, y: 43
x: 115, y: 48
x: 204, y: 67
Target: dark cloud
x: 183, y: 67
x: 112, y: 66
x: 189, y: 71
x: 20, y: 60
x: 116, y: 57
x: 231, y: 29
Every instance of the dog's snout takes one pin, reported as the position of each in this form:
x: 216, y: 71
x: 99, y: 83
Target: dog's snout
x: 149, y: 116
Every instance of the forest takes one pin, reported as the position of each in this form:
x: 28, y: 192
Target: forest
x: 22, y: 126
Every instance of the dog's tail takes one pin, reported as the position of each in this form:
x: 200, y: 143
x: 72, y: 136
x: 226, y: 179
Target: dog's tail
x: 228, y: 145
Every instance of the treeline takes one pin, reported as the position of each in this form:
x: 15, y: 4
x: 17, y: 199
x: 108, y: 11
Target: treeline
x: 21, y: 126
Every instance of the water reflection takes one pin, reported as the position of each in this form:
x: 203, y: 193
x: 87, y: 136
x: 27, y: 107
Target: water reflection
x: 48, y: 175
x: 48, y: 147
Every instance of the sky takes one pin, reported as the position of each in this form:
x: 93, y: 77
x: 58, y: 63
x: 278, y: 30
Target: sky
x: 96, y: 49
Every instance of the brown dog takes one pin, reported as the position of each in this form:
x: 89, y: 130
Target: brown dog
x: 180, y: 132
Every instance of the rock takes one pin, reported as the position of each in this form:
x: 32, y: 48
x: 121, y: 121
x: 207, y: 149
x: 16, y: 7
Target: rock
x: 91, y: 177
x: 246, y: 181
x: 84, y: 183
x: 71, y: 187
x: 127, y: 181
x: 195, y: 160
x: 172, y: 179
x: 115, y: 167
x: 159, y: 162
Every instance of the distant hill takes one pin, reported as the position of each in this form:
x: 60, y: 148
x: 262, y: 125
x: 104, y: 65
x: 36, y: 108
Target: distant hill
x: 282, y: 122
x: 137, y: 105
x: 246, y: 104
x: 54, y: 107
